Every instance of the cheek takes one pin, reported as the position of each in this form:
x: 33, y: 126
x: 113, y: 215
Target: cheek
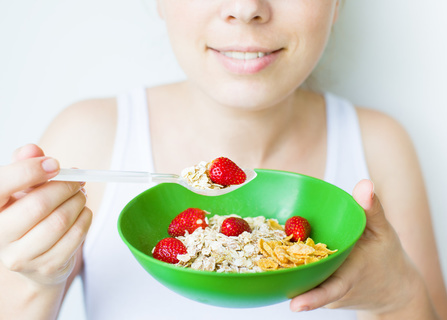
x: 185, y: 26
x: 311, y: 37
x: 188, y: 52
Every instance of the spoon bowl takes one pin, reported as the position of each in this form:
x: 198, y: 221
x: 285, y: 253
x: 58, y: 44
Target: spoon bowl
x: 143, y: 177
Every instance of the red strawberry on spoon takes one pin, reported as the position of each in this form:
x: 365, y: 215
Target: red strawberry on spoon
x: 234, y: 226
x: 167, y: 250
x: 299, y: 227
x: 225, y: 172
x: 187, y: 220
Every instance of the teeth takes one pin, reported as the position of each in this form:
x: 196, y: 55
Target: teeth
x: 244, y: 55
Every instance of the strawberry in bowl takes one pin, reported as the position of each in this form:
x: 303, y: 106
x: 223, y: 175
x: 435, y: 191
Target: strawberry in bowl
x: 234, y: 226
x: 168, y: 249
x: 298, y: 227
x: 187, y: 221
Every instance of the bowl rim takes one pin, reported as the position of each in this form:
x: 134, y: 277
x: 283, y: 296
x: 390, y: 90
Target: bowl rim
x: 177, y: 268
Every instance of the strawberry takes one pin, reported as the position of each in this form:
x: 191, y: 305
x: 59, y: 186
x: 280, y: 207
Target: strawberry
x: 187, y: 220
x: 234, y: 226
x: 225, y: 172
x: 299, y: 227
x: 167, y: 250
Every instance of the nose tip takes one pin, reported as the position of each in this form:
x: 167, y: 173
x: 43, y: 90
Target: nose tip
x: 246, y: 11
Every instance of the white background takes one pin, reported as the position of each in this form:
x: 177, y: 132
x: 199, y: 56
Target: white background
x: 387, y: 55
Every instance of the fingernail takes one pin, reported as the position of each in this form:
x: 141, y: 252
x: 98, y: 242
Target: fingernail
x: 303, y: 308
x: 50, y: 165
x: 82, y: 183
x: 84, y: 192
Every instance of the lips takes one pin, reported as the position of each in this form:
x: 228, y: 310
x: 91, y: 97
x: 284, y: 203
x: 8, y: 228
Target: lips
x: 245, y: 60
x: 240, y: 55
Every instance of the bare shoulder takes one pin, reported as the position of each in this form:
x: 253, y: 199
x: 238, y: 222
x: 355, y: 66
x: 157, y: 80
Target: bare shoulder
x: 388, y: 146
x: 82, y: 135
x: 394, y: 167
x: 379, y: 128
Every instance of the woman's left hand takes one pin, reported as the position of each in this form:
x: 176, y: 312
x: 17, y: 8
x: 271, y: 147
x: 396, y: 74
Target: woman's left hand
x: 377, y: 276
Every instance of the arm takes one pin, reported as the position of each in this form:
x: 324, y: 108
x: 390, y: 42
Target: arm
x: 81, y: 136
x: 395, y: 168
x: 384, y: 276
x: 41, y: 226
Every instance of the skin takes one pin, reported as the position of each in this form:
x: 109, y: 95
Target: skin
x: 254, y: 126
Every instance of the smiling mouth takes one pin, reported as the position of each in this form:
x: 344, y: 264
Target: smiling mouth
x: 240, y: 55
x: 248, y: 60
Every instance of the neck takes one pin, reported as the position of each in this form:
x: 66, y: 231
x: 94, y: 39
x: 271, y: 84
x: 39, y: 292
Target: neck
x: 252, y: 135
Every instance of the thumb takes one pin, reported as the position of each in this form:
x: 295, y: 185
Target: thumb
x: 364, y: 195
x: 26, y: 152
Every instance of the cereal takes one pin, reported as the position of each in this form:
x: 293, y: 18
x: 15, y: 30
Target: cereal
x: 266, y: 248
x: 267, y: 264
x: 274, y: 224
x: 288, y: 254
x: 210, y: 250
x: 197, y: 177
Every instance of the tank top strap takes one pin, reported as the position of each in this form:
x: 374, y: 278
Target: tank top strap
x: 132, y: 142
x: 346, y: 164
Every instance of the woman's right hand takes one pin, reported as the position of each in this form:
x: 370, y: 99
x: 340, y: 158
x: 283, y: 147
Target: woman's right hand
x: 42, y: 223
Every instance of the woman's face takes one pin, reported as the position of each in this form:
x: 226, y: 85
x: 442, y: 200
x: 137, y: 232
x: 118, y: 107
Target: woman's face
x: 248, y: 53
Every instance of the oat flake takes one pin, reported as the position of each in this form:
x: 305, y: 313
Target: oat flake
x: 197, y: 177
x: 210, y: 250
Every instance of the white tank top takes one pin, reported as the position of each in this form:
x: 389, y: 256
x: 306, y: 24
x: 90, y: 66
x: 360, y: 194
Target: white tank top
x: 117, y: 287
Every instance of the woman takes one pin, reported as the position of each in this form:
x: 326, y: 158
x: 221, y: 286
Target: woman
x: 247, y: 62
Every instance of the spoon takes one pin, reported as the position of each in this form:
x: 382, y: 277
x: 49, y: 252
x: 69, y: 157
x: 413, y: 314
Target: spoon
x: 142, y: 177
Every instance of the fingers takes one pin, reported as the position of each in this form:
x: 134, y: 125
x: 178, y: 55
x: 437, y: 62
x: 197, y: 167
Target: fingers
x: 363, y: 193
x: 339, y: 289
x: 23, y: 215
x: 42, y: 224
x: 52, y: 228
x: 56, y: 264
x: 67, y: 246
x: 329, y: 291
x: 26, y: 152
x: 375, y: 218
x: 25, y: 174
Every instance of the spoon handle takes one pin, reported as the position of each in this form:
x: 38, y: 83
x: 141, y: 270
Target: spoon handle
x: 113, y: 176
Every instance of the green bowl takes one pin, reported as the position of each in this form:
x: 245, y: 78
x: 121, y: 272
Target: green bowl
x: 335, y: 217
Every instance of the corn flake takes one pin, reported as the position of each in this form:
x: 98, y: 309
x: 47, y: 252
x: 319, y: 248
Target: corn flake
x: 288, y: 254
x: 267, y: 264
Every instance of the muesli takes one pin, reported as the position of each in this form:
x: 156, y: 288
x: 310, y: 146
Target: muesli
x: 209, y: 249
x: 266, y: 247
